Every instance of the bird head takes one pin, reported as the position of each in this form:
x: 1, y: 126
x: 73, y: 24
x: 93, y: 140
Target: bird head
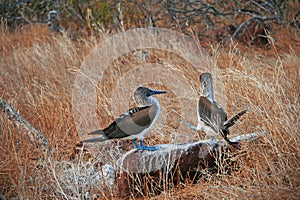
x: 206, y: 86
x: 142, y: 94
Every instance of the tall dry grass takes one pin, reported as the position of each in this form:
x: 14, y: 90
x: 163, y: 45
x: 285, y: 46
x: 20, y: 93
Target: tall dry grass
x: 37, y: 74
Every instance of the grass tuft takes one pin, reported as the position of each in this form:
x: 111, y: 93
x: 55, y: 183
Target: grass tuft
x: 38, y: 70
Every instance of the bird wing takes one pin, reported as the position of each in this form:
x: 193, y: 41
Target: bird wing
x: 133, y: 122
x: 211, y: 114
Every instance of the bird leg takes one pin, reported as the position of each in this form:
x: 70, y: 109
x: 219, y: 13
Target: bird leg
x: 134, y: 144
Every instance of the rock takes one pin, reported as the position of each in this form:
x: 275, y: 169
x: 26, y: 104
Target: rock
x: 148, y: 173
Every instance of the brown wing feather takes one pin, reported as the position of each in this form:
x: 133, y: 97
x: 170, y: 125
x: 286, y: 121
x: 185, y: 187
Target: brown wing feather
x: 132, y: 122
x: 211, y: 114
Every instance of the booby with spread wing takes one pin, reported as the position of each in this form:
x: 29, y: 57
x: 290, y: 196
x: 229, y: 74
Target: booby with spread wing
x: 212, y: 118
x: 134, y: 123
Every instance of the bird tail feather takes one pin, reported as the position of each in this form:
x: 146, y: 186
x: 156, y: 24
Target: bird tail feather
x: 97, y: 132
x: 230, y: 122
x: 96, y: 139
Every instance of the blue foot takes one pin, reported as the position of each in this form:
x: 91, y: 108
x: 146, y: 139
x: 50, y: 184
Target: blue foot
x: 147, y: 148
x: 143, y: 147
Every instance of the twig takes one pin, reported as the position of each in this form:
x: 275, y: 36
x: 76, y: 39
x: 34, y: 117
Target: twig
x: 193, y: 128
x: 250, y: 19
x: 57, y: 182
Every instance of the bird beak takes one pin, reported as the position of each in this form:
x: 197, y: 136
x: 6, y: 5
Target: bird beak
x: 152, y: 92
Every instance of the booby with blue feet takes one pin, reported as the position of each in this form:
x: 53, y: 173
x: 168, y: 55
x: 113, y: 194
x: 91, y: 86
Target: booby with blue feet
x: 134, y: 123
x: 212, y: 118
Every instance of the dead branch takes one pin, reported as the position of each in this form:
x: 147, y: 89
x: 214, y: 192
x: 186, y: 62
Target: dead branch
x: 33, y: 134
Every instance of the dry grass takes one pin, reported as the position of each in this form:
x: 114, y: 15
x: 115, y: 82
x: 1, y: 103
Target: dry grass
x: 37, y: 74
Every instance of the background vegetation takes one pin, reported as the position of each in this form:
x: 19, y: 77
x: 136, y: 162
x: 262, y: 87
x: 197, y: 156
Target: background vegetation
x: 260, y: 68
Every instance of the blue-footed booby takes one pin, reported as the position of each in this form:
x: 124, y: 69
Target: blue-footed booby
x: 212, y: 118
x: 53, y: 21
x: 134, y: 123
